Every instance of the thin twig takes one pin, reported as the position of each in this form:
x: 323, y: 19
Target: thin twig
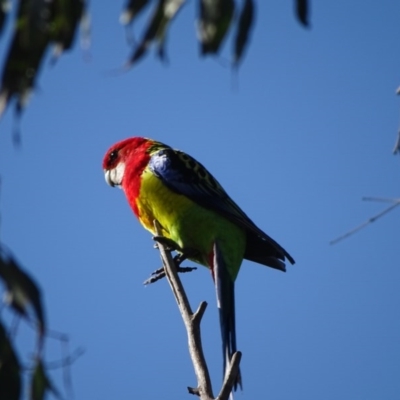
x: 230, y: 376
x: 369, y: 221
x: 67, y: 360
x: 192, y: 324
x: 396, y: 148
x: 382, y: 199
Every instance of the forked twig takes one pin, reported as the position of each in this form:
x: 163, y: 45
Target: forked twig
x: 395, y: 203
x: 192, y: 325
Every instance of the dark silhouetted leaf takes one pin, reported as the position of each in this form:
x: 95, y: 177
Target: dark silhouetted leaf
x: 163, y: 14
x: 243, y: 30
x: 170, y: 11
x: 22, y: 291
x: 38, y: 24
x: 214, y: 21
x: 4, y: 9
x: 396, y: 149
x: 302, y: 8
x: 66, y: 16
x: 25, y: 53
x: 10, y: 377
x: 40, y: 383
x: 132, y: 10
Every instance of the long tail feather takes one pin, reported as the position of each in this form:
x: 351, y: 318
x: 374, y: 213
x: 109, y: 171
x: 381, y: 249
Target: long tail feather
x: 225, y: 289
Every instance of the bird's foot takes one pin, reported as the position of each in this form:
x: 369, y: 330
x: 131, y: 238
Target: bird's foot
x: 155, y: 276
x: 160, y: 273
x: 184, y: 254
x: 183, y: 270
x: 169, y: 244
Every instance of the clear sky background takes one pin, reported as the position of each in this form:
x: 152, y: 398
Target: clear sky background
x: 308, y: 132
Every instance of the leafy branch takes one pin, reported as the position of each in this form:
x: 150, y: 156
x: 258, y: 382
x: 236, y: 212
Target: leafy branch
x: 192, y: 322
x: 23, y: 297
x: 55, y: 23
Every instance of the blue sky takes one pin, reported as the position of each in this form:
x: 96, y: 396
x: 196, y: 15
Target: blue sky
x: 305, y: 135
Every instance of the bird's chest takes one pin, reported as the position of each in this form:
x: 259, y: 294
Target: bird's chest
x: 188, y: 224
x: 156, y: 201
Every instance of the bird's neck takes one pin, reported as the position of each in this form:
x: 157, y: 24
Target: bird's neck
x: 132, y: 178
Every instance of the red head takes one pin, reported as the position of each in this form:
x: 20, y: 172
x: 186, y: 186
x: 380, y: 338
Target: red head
x: 124, y: 163
x: 128, y: 155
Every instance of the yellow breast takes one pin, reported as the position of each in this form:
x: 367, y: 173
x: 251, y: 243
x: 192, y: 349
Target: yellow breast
x: 156, y: 201
x: 188, y: 224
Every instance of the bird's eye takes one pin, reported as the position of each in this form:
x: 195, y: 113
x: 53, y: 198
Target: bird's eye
x: 113, y: 156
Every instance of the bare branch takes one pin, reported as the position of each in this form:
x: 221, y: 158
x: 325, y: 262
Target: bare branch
x: 395, y: 202
x: 192, y: 323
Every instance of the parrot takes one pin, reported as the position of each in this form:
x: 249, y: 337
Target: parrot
x: 196, y: 213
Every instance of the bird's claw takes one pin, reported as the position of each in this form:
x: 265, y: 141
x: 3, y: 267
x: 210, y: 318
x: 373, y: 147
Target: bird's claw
x: 182, y: 270
x: 168, y: 243
x: 179, y: 258
x: 160, y: 273
x: 184, y: 254
x: 154, y: 278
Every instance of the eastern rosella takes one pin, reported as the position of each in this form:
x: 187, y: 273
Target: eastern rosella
x: 196, y: 213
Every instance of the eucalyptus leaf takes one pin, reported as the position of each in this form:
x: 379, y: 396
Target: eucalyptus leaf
x: 10, y: 369
x: 41, y: 384
x: 23, y: 292
x: 132, y: 9
x: 302, y: 11
x: 213, y: 24
x: 156, y: 30
x: 245, y: 24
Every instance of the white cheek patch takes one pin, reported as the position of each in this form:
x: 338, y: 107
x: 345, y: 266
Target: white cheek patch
x: 114, y: 176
